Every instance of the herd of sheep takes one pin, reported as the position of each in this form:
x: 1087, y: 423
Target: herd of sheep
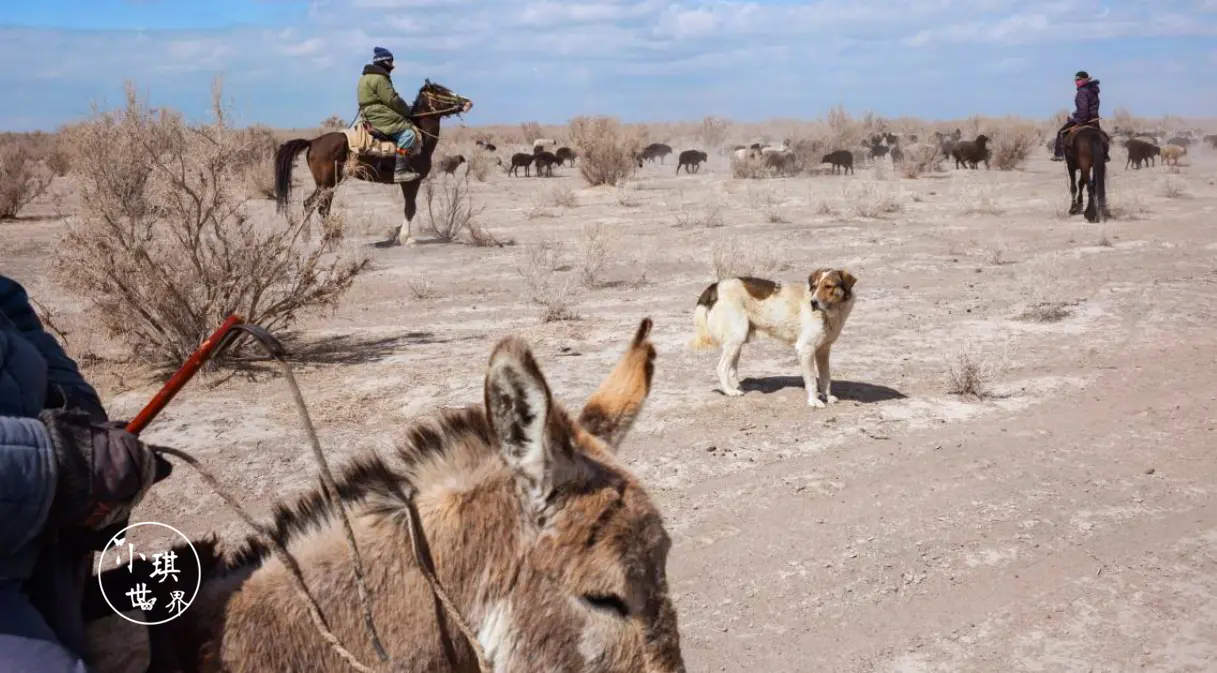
x: 784, y: 159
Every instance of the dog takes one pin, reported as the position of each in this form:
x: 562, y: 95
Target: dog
x: 808, y: 316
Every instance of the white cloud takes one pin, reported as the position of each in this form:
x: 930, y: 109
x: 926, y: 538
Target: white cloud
x: 565, y: 54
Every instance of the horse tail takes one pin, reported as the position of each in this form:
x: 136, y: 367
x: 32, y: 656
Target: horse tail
x: 285, y: 157
x: 1098, y: 159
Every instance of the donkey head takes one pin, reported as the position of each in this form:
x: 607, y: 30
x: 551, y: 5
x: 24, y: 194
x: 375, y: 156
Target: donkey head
x: 590, y: 589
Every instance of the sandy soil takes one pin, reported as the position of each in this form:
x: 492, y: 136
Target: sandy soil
x: 1067, y: 522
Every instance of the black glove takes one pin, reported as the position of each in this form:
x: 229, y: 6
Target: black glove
x: 104, y: 470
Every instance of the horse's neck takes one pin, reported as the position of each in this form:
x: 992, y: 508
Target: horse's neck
x: 430, y: 131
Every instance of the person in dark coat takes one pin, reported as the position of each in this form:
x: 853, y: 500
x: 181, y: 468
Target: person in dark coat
x: 69, y: 479
x: 386, y: 111
x: 1086, y: 110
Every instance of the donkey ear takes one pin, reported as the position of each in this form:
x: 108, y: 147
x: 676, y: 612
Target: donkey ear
x: 610, y: 412
x: 521, y: 411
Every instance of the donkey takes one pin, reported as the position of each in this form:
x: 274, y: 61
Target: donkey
x: 548, y: 546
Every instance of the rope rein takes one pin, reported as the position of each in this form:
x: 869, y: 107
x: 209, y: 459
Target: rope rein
x: 330, y: 488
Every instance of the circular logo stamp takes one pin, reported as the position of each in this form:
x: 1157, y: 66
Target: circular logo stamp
x: 149, y: 585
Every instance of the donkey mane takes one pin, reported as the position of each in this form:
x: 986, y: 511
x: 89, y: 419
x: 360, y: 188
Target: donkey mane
x: 455, y: 442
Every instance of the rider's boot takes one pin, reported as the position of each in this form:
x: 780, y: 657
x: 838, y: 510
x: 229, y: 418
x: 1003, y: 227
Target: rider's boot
x: 402, y: 171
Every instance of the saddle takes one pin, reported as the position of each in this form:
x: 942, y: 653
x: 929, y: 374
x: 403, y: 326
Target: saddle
x: 1070, y: 132
x: 364, y: 140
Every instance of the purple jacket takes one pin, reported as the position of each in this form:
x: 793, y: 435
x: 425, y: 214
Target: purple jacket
x: 1087, y: 102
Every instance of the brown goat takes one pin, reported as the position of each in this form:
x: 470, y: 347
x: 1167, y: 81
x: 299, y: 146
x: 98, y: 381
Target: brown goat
x: 450, y: 164
x: 565, y: 154
x: 971, y: 152
x: 691, y: 160
x: 549, y: 547
x: 517, y: 160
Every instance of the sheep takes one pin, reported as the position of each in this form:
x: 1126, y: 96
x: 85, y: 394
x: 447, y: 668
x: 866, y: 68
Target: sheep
x: 650, y: 152
x: 1181, y: 141
x: 691, y: 160
x: 450, y: 164
x: 775, y: 149
x: 566, y: 154
x: 1140, y: 151
x: 1171, y: 154
x: 746, y: 153
x: 545, y: 161
x: 517, y: 160
x: 971, y: 152
x: 486, y: 145
x: 540, y: 143
x: 842, y: 159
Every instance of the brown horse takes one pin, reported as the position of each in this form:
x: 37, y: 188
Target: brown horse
x: 1085, y: 152
x: 327, y: 158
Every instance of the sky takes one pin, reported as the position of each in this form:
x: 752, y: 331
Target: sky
x: 292, y: 63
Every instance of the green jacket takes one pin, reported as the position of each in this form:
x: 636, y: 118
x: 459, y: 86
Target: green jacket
x: 379, y: 102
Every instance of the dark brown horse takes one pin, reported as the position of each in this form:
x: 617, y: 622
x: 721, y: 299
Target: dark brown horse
x: 327, y: 158
x: 1085, y: 157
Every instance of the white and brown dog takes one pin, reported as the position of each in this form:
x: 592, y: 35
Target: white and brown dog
x: 808, y: 316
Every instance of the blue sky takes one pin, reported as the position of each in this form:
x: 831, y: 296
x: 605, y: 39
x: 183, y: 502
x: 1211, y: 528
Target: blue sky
x: 291, y: 63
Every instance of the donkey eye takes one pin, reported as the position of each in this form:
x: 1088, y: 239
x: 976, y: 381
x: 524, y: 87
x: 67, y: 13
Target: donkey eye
x: 608, y: 603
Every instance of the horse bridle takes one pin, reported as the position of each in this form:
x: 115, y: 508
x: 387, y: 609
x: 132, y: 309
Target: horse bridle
x: 456, y: 104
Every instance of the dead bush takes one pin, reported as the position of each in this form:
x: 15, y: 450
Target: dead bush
x: 733, y: 257
x: 563, y: 197
x: 606, y: 149
x: 872, y: 199
x: 1173, y: 189
x: 22, y: 178
x: 970, y: 374
x: 920, y: 159
x: 709, y: 215
x: 713, y: 131
x: 448, y: 208
x: 595, y: 250
x: 531, y: 131
x: 1013, y: 144
x: 1046, y: 312
x: 166, y: 246
x: 749, y: 168
x: 539, y: 267
x: 479, y: 163
x: 333, y: 123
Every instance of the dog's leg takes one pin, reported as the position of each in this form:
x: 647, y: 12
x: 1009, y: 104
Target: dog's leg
x: 810, y: 380
x: 727, y: 366
x: 824, y: 375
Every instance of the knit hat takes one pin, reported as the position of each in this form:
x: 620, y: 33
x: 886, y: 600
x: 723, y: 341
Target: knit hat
x: 1082, y: 74
x: 380, y: 55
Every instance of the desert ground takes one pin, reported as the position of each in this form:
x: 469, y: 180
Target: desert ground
x: 1064, y: 519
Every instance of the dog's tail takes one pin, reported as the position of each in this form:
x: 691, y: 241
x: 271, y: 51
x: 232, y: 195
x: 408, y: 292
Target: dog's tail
x: 702, y: 337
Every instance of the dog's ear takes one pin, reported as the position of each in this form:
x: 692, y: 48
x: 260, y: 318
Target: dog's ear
x: 848, y: 279
x: 814, y: 279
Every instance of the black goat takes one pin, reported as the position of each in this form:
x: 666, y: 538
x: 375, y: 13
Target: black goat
x: 517, y: 160
x: 971, y: 152
x: 545, y: 162
x: 566, y: 154
x: 691, y: 160
x: 843, y: 159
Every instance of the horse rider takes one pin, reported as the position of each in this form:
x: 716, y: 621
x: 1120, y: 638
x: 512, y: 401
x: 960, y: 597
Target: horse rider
x: 385, y: 111
x: 1086, y: 102
x: 69, y: 479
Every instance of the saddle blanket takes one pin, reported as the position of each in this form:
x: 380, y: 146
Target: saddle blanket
x: 361, y: 141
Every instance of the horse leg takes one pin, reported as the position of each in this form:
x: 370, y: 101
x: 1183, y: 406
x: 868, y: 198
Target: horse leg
x: 1074, y: 207
x: 405, y: 235
x: 1090, y: 212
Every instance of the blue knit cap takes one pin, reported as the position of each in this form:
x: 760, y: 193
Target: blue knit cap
x: 380, y: 54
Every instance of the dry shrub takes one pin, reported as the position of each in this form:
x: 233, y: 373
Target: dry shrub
x: 596, y: 243
x: 709, y: 215
x: 562, y: 197
x: 713, y: 131
x: 1013, y: 143
x: 165, y: 245
x: 22, y: 178
x: 333, y: 123
x: 531, y: 131
x: 480, y: 163
x: 733, y: 257
x: 869, y: 198
x: 255, y: 157
x: 448, y: 208
x: 1173, y: 189
x: 59, y: 155
x: 421, y: 288
x: 970, y: 374
x: 538, y: 266
x: 981, y: 201
x: 626, y: 199
x: 1126, y: 206
x: 606, y: 149
x: 749, y: 168
x: 920, y: 159
x: 1046, y: 312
